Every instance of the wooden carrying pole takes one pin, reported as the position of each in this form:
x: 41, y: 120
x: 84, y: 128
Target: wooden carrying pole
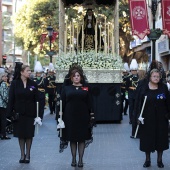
x: 140, y: 116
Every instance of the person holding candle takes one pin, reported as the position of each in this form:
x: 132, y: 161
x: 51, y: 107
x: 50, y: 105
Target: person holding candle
x: 154, y: 130
x: 77, y: 116
x: 23, y: 95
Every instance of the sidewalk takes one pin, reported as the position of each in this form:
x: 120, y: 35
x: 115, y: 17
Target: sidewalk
x: 112, y: 149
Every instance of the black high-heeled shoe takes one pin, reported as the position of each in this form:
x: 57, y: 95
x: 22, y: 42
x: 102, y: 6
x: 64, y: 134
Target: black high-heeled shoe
x: 22, y: 161
x: 74, y: 163
x: 5, y: 138
x: 27, y: 160
x: 160, y: 164
x: 80, y: 164
x: 147, y: 164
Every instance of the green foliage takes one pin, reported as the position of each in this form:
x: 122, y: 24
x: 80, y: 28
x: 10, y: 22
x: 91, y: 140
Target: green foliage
x: 32, y: 20
x: 35, y: 15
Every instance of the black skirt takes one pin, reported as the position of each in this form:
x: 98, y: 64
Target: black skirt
x: 24, y: 127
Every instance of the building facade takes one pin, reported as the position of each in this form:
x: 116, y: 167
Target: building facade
x: 9, y: 49
x: 162, y: 44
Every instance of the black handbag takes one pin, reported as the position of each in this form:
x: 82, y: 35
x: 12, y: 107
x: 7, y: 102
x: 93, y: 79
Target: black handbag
x: 15, y: 117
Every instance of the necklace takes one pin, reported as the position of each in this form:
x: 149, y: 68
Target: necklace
x: 152, y: 86
x: 77, y: 88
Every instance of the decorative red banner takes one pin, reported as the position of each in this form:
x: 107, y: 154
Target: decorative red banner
x: 54, y: 36
x: 139, y: 18
x: 166, y: 17
x: 42, y: 39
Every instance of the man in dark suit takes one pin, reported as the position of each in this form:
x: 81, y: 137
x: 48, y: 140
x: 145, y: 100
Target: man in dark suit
x: 41, y: 83
x: 51, y: 88
x: 132, y: 83
x: 124, y: 92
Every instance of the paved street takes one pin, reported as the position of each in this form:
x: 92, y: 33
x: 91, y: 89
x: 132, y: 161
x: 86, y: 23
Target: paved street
x: 112, y: 149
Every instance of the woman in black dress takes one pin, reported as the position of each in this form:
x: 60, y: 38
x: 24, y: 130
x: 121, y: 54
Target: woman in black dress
x: 154, y: 131
x: 22, y: 99
x: 77, y: 114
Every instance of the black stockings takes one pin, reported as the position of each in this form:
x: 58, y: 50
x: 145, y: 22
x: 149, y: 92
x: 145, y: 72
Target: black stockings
x: 73, y: 146
x: 25, y: 143
x: 148, y: 158
x: 159, y: 156
x: 81, y: 147
x: 22, y: 147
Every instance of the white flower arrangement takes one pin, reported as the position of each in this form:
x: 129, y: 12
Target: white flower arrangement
x: 89, y: 60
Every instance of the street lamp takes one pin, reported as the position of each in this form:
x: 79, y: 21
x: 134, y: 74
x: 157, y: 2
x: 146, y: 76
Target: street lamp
x: 154, y: 33
x: 50, y: 34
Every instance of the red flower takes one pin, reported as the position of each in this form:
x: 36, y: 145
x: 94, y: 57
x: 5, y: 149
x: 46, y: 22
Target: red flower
x: 85, y: 88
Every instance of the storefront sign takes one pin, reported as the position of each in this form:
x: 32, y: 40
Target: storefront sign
x: 166, y: 16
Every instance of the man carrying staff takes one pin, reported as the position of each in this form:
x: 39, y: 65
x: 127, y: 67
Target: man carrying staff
x: 41, y: 83
x: 132, y: 83
x: 51, y: 88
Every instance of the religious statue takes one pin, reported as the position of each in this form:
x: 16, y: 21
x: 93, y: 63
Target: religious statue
x: 89, y: 32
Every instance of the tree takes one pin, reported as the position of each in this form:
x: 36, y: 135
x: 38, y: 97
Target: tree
x: 31, y: 21
x: 34, y: 17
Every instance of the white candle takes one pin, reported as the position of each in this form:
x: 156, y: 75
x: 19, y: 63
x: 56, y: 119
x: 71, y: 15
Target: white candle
x: 66, y: 37
x: 77, y: 36
x: 96, y: 38
x: 37, y: 108
x: 70, y: 37
x: 100, y: 35
x: 112, y: 42
x: 82, y: 44
x: 108, y: 37
x: 105, y: 44
x: 60, y: 105
x: 61, y: 116
x: 73, y: 35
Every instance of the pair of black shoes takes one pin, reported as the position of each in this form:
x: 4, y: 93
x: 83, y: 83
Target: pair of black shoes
x: 25, y: 160
x: 160, y: 164
x: 5, y: 138
x: 148, y: 164
x: 74, y: 164
x: 53, y: 112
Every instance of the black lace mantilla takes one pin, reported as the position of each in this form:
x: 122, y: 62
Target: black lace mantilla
x: 64, y: 143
